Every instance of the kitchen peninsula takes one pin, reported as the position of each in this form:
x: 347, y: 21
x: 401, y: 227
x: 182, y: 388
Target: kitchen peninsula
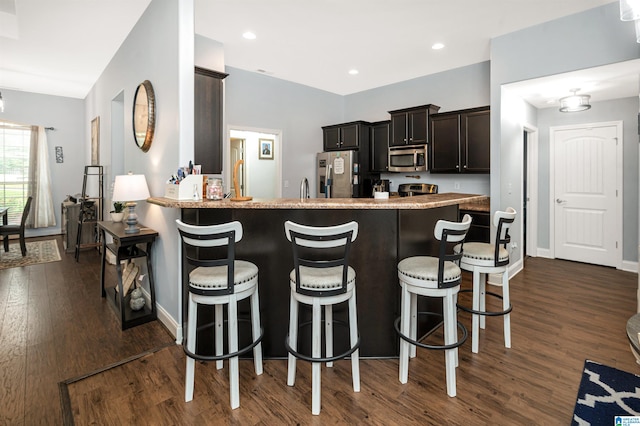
x: 389, y: 230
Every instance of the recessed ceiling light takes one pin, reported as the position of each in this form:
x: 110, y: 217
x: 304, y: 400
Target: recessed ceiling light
x: 353, y: 72
x: 437, y: 46
x: 249, y: 35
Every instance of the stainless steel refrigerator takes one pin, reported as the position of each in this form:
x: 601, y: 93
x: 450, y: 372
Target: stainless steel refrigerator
x: 337, y: 174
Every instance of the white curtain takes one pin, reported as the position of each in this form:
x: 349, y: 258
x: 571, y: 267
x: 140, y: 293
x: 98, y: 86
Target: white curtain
x: 42, y: 213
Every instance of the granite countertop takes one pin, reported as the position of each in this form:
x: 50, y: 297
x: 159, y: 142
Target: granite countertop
x: 478, y: 206
x: 405, y: 203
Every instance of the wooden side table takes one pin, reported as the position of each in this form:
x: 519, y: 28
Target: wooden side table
x: 126, y: 247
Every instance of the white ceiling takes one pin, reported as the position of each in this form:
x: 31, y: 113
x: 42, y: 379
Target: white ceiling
x: 61, y: 47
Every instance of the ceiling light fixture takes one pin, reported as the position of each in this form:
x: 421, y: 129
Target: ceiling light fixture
x: 249, y: 35
x: 437, y: 46
x: 353, y: 72
x: 575, y: 102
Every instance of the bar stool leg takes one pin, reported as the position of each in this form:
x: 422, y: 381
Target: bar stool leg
x: 219, y: 319
x: 255, y: 331
x: 448, y: 309
x: 475, y: 318
x: 316, y: 339
x: 505, y: 306
x: 191, y: 346
x: 293, y: 340
x: 483, y: 299
x: 328, y: 332
x: 405, y: 312
x: 234, y: 381
x: 413, y: 323
x: 353, y: 332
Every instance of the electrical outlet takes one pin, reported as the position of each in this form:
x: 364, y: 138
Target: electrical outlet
x: 286, y: 183
x: 456, y: 185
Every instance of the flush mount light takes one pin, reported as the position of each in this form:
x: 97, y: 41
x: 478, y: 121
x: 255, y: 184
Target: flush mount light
x: 353, y: 72
x: 437, y: 46
x: 575, y: 102
x: 249, y: 35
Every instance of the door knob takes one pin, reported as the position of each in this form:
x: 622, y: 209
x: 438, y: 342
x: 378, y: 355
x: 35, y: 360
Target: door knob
x: 559, y: 201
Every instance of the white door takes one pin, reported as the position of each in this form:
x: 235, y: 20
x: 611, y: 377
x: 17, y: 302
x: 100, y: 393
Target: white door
x: 587, y: 212
x: 237, y: 153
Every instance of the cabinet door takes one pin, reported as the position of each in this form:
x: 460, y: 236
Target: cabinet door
x: 476, y: 141
x: 418, y: 127
x: 398, y: 129
x: 208, y: 120
x: 445, y: 152
x: 349, y: 138
x: 331, y: 138
x: 380, y: 146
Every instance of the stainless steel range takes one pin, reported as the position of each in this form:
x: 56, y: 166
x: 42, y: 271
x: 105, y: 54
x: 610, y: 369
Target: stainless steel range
x: 410, y: 189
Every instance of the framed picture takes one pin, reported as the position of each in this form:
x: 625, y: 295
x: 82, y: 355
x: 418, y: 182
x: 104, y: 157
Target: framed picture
x: 95, y: 141
x: 266, y: 149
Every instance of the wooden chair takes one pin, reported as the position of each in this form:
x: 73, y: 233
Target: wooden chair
x: 6, y: 230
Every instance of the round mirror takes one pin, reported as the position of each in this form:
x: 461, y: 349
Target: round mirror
x: 144, y: 115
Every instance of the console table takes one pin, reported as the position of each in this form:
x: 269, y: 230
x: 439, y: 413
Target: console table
x: 126, y: 247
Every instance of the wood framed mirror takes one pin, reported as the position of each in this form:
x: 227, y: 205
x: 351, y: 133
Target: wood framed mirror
x: 144, y: 115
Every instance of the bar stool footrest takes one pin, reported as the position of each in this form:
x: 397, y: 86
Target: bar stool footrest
x: 487, y: 313
x: 325, y: 359
x: 461, y: 326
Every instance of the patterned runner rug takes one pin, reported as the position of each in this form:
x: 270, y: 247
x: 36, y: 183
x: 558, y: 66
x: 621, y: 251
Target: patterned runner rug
x: 607, y: 396
x: 37, y: 252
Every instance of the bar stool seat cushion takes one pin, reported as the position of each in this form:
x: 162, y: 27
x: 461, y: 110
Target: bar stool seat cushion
x: 481, y: 254
x: 323, y: 278
x: 215, y: 277
x: 425, y: 269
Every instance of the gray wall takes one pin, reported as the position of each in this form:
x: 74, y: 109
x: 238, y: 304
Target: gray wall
x: 66, y: 115
x: 584, y: 40
x: 258, y: 101
x: 149, y: 54
x: 621, y: 109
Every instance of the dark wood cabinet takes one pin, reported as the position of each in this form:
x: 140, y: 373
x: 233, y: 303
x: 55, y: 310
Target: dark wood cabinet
x: 380, y: 134
x: 410, y: 126
x: 345, y: 136
x: 480, y: 229
x: 208, y: 120
x: 460, y: 141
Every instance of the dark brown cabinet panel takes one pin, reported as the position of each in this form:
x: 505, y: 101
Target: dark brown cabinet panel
x: 345, y: 136
x: 480, y: 229
x: 460, y: 141
x: 410, y: 126
x: 380, y: 134
x: 208, y: 120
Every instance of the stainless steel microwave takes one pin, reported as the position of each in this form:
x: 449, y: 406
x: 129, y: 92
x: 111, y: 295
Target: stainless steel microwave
x: 408, y: 158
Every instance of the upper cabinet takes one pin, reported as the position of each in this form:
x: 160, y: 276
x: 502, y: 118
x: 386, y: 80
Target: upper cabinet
x: 345, y: 136
x: 380, y: 134
x: 208, y: 120
x: 460, y: 141
x: 410, y: 126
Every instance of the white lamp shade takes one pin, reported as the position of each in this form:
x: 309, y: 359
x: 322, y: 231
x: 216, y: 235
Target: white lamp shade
x: 130, y: 188
x: 629, y: 10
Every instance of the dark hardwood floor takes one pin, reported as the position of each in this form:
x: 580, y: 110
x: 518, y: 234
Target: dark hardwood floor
x: 54, y: 327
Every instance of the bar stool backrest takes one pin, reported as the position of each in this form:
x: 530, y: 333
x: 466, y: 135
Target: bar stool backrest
x: 502, y: 220
x: 196, y: 237
x: 450, y: 233
x: 321, y: 247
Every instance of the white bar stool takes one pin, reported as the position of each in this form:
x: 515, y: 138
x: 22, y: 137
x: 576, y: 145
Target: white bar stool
x: 322, y: 277
x: 433, y: 277
x: 219, y: 281
x: 483, y: 259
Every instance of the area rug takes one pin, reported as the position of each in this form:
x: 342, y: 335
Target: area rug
x: 37, y: 252
x: 607, y: 396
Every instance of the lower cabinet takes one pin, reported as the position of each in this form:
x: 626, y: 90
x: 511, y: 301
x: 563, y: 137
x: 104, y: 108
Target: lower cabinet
x: 480, y: 230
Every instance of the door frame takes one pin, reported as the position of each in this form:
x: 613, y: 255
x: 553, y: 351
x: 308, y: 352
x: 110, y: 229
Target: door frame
x: 619, y: 170
x: 228, y: 174
x: 531, y: 224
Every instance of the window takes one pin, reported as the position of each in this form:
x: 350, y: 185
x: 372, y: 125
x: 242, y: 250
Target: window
x: 15, y: 142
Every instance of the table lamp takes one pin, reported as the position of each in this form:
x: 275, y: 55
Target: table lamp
x: 130, y: 188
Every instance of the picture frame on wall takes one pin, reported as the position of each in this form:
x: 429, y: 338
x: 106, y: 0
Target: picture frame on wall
x: 266, y: 149
x: 95, y: 141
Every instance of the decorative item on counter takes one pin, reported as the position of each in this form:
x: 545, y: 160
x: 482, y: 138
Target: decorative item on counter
x: 238, y: 196
x: 117, y: 214
x: 214, y: 189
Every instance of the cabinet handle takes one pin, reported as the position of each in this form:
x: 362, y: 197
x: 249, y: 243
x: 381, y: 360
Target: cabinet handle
x: 457, y: 167
x: 465, y: 167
